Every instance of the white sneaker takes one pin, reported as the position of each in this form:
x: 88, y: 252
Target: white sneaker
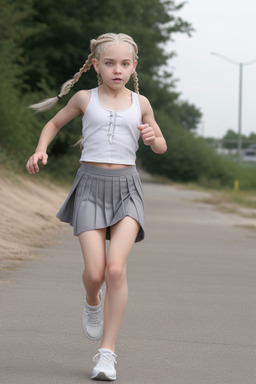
x: 105, y: 368
x: 93, y: 320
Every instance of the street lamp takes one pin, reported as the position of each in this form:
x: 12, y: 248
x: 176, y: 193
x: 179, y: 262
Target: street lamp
x: 240, y: 65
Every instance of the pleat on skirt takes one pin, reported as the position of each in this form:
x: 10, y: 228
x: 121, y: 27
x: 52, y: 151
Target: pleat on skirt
x: 100, y: 198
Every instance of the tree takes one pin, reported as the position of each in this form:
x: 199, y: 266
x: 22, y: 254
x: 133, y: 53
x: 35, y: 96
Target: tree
x: 66, y: 28
x: 49, y: 41
x: 230, y: 140
x: 61, y: 46
x: 16, y: 121
x: 190, y: 116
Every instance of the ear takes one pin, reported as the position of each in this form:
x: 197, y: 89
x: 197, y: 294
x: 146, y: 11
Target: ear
x: 134, y: 66
x: 95, y: 64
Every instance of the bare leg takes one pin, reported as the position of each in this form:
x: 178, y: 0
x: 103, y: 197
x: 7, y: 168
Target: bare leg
x: 123, y: 235
x: 94, y: 253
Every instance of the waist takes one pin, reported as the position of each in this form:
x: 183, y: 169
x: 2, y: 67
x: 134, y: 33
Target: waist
x: 106, y: 165
x: 89, y: 168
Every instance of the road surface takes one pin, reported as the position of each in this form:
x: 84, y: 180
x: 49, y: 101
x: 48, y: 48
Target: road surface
x: 191, y: 316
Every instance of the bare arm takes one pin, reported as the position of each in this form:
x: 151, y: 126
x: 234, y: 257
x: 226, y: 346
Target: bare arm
x: 150, y: 132
x: 75, y: 107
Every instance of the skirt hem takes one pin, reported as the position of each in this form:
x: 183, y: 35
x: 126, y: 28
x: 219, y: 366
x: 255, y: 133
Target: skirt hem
x: 100, y: 198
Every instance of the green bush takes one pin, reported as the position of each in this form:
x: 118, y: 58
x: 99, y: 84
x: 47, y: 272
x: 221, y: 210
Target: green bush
x: 189, y: 159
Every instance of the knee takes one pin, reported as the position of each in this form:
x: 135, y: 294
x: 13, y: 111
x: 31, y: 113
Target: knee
x: 115, y: 274
x: 94, y: 277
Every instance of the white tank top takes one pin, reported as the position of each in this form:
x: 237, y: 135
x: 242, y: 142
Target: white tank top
x: 110, y: 136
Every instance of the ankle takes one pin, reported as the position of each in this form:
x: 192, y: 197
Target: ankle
x: 109, y: 347
x: 93, y: 301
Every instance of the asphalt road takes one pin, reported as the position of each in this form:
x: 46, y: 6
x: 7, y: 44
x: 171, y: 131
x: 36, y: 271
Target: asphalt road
x: 191, y: 316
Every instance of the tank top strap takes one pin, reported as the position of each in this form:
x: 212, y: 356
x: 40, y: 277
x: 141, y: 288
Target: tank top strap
x: 135, y: 100
x: 94, y: 95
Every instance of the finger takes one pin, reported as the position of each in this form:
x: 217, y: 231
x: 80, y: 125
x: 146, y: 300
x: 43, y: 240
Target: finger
x: 143, y: 126
x: 147, y: 131
x: 33, y: 167
x: 150, y: 138
x: 149, y: 135
x: 44, y: 159
x: 30, y: 168
x: 34, y: 163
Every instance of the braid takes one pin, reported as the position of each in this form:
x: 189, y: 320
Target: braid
x: 136, y: 82
x: 100, y: 82
x: 97, y: 46
x: 65, y: 88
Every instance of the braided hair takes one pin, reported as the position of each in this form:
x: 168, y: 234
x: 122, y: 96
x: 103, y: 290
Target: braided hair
x: 98, y: 46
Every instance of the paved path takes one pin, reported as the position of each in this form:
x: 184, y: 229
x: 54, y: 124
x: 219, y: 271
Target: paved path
x: 191, y: 316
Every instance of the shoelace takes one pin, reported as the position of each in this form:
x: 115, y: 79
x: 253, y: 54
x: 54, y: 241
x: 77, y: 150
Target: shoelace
x: 105, y: 359
x: 94, y: 317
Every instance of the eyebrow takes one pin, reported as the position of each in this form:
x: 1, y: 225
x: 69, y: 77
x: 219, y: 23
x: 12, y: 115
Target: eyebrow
x: 109, y: 59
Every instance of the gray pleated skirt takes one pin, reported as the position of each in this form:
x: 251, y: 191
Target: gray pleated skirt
x: 100, y: 198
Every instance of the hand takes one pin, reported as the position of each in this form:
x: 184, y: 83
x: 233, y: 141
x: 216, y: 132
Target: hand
x: 32, y: 164
x: 147, y: 133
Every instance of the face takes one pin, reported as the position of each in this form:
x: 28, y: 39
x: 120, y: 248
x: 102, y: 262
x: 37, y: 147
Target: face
x: 115, y: 65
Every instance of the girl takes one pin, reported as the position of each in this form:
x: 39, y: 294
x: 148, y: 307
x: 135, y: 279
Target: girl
x: 106, y: 199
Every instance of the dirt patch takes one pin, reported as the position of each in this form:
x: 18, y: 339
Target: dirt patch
x: 28, y: 210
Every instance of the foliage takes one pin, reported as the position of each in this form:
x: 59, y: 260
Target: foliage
x: 16, y: 121
x: 66, y: 29
x: 230, y: 139
x: 43, y: 43
x: 187, y: 158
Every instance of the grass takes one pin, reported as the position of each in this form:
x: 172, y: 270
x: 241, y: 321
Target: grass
x: 227, y: 200
x: 245, y: 199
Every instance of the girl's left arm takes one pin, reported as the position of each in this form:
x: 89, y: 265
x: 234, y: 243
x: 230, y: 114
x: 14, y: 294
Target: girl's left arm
x: 150, y: 132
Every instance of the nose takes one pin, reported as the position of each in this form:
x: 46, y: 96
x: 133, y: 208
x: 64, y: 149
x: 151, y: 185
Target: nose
x: 118, y: 68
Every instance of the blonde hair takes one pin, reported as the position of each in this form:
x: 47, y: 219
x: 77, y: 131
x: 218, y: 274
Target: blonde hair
x: 97, y: 46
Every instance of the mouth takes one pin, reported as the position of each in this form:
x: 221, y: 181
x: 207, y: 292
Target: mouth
x: 117, y: 79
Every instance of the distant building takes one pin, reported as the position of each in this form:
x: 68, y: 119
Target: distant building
x: 249, y: 154
x: 226, y: 151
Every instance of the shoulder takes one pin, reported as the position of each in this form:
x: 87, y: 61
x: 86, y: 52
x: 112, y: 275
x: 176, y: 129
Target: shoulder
x: 145, y: 105
x: 82, y: 96
x: 80, y: 100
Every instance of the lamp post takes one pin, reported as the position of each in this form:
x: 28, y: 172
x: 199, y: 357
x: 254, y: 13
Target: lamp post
x: 240, y: 96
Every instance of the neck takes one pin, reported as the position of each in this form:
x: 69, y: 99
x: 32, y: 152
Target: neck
x: 110, y: 92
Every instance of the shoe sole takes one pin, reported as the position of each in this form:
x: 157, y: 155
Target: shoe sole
x: 102, y: 376
x: 93, y: 338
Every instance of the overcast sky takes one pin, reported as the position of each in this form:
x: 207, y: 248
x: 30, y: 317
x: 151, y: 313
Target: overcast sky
x: 227, y: 27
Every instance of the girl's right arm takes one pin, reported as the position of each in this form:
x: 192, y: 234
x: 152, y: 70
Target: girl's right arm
x: 76, y: 106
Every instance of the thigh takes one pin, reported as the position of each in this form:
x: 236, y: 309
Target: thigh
x: 123, y: 235
x: 93, y: 245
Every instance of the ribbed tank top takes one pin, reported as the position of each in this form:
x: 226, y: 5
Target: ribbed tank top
x: 110, y: 136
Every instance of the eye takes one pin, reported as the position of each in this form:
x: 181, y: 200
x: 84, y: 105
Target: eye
x: 109, y: 63
x: 126, y: 64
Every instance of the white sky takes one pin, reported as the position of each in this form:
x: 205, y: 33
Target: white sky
x: 227, y: 27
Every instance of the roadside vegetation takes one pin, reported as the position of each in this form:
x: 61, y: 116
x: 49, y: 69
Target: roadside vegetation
x: 43, y: 43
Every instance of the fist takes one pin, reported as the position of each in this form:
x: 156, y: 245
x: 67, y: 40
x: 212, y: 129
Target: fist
x: 147, y: 134
x: 32, y: 164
